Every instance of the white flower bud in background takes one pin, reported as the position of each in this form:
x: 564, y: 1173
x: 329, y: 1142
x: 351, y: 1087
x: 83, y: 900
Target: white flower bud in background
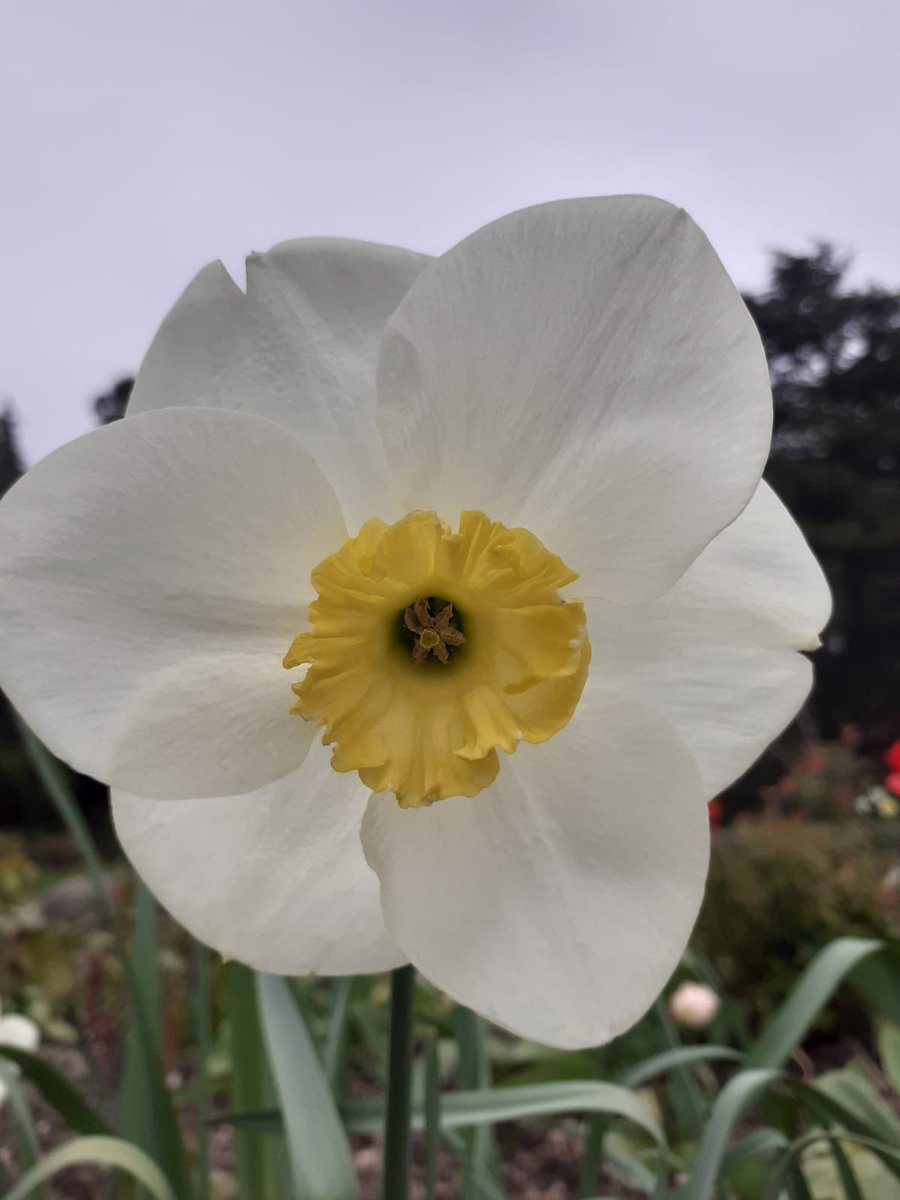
x: 22, y: 1034
x: 694, y: 1005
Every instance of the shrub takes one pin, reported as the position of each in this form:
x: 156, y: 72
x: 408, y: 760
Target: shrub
x: 779, y: 890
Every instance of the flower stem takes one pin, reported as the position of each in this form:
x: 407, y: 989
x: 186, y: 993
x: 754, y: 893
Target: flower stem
x: 398, y: 1111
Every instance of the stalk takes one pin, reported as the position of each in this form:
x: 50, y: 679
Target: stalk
x: 398, y: 1109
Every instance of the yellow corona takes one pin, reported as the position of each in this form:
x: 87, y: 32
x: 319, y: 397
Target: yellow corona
x: 428, y: 651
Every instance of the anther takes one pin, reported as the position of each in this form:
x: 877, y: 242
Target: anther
x: 434, y: 634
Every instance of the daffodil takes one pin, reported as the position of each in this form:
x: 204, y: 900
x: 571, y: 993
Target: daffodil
x: 419, y: 606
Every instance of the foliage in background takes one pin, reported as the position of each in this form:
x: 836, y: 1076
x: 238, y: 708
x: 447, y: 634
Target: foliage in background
x: 778, y: 890
x: 834, y: 358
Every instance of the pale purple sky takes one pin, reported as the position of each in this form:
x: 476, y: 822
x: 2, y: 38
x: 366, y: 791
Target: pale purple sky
x: 141, y: 138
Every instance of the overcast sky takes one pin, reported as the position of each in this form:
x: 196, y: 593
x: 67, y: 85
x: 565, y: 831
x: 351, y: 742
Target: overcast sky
x: 141, y: 138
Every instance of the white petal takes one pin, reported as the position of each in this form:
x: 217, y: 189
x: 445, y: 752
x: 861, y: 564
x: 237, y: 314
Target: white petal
x: 152, y: 576
x: 300, y: 348
x: 275, y: 879
x: 558, y: 901
x: 19, y: 1032
x: 587, y: 369
x: 719, y: 653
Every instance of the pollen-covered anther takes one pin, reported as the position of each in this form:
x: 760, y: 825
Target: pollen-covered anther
x: 433, y: 633
x: 418, y: 696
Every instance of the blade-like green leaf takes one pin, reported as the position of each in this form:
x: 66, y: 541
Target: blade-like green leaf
x: 55, y: 782
x: 810, y: 994
x: 489, y: 1189
x: 138, y: 1121
x: 200, y: 1011
x: 321, y: 1163
x: 889, y: 1051
x: 12, y: 1093
x: 461, y: 1110
x: 845, y: 1172
x: 479, y: 1160
x: 754, y: 1143
x: 877, y: 980
x: 743, y: 1090
x: 859, y: 1105
x: 791, y: 1161
x: 595, y: 1130
x: 684, y: 1096
x: 58, y: 1092
x: 102, y: 1152
x: 682, y: 1056
x: 432, y: 1107
x: 256, y: 1166
x: 336, y: 1037
x: 748, y: 1160
x: 164, y: 1133
x: 147, y: 1115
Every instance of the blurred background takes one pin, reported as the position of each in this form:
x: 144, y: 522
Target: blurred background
x: 139, y: 141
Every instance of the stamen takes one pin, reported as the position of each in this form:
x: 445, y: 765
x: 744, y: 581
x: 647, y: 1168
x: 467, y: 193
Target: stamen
x: 434, y: 634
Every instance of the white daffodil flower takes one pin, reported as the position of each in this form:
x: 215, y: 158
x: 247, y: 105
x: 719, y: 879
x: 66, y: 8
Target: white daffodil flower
x: 502, y: 513
x: 20, y: 1033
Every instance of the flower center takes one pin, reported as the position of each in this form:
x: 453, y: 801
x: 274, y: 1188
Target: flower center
x: 430, y: 621
x: 416, y: 691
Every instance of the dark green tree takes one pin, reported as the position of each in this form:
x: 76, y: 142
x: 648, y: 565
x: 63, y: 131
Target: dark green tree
x: 112, y: 404
x: 834, y: 357
x: 10, y: 459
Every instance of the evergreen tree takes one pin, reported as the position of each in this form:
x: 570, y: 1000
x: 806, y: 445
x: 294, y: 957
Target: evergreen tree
x: 112, y: 404
x: 10, y: 460
x: 834, y: 357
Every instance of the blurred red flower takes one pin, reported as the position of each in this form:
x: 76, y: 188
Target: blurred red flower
x: 892, y: 756
x: 717, y: 812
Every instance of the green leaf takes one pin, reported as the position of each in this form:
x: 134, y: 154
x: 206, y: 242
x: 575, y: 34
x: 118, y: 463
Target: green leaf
x: 479, y: 1159
x: 682, y: 1056
x: 845, y: 1172
x: 162, y: 1129
x: 743, y: 1090
x: 148, y: 1116
x: 58, y: 1092
x: 489, y: 1189
x: 55, y: 782
x: 858, y: 1104
x: 336, y: 1037
x: 889, y: 1051
x: 789, y: 1167
x: 143, y: 1042
x: 321, y: 1163
x: 809, y: 995
x: 461, y: 1110
x: 200, y: 1012
x: 877, y: 980
x: 594, y: 1134
x: 432, y: 1118
x: 29, y: 1149
x: 685, y: 1097
x: 256, y: 1164
x: 102, y: 1152
x: 748, y: 1159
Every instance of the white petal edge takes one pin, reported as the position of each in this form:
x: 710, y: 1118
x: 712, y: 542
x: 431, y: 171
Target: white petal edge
x: 587, y: 369
x: 719, y: 653
x: 300, y: 347
x: 557, y: 902
x: 152, y: 576
x: 275, y: 879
